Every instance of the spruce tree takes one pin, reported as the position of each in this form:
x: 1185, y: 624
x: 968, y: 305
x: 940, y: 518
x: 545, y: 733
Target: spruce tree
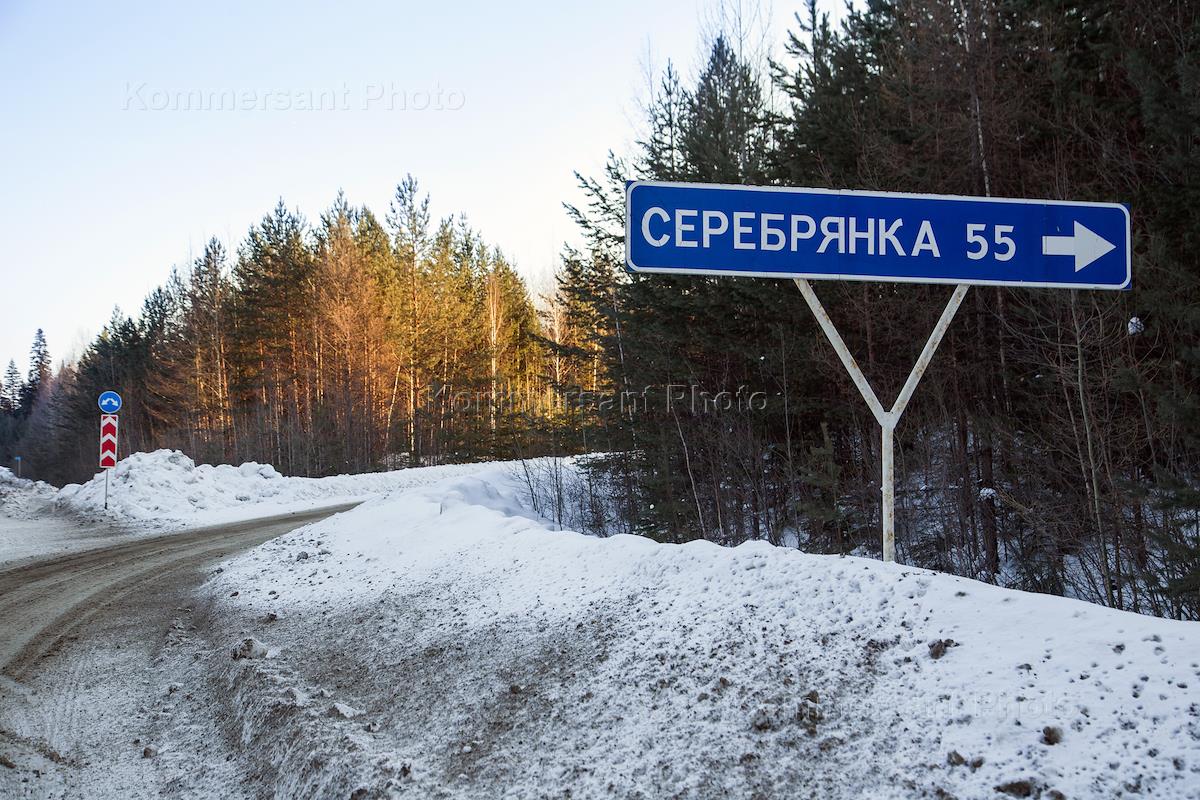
x: 14, y: 389
x: 39, y: 373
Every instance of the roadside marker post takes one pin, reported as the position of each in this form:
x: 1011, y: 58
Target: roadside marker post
x: 109, y: 403
x: 108, y: 440
x: 823, y: 234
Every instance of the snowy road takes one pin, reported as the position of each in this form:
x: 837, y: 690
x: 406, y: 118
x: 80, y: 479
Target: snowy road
x: 86, y: 643
x: 46, y: 602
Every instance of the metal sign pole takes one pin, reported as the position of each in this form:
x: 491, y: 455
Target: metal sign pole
x: 887, y: 419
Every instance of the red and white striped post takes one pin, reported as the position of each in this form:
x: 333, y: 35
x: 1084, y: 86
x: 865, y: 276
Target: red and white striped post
x: 108, y: 448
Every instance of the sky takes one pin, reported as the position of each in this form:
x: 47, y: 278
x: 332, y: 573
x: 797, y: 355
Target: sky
x: 133, y: 133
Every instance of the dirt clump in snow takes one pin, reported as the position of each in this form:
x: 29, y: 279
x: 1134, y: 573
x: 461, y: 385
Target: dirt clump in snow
x: 344, y: 711
x: 250, y: 648
x: 938, y: 647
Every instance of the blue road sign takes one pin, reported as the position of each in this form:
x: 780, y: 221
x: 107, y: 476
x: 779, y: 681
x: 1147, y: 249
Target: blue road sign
x: 775, y: 232
x: 109, y: 402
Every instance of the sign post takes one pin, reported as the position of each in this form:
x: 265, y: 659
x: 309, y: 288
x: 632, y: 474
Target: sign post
x: 110, y: 404
x: 803, y: 234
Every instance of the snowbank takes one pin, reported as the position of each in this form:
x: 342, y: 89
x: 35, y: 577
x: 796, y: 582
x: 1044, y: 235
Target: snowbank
x: 167, y: 488
x: 490, y: 656
x: 21, y: 497
x: 165, y: 491
x: 27, y: 528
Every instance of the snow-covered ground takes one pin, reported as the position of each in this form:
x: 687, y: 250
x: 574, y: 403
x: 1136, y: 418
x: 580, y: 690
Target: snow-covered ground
x: 165, y: 491
x: 22, y: 497
x: 444, y: 641
x: 167, y: 488
x: 30, y: 527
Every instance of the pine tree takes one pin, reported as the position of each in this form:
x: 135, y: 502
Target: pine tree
x: 351, y: 338
x: 272, y: 342
x: 725, y: 133
x: 662, y: 152
x: 202, y: 354
x: 410, y: 303
x: 10, y: 396
x: 39, y: 373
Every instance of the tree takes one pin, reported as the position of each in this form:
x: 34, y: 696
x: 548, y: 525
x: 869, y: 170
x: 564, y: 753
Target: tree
x: 409, y: 300
x: 298, y: 354
x: 39, y: 373
x: 272, y: 349
x: 1054, y: 447
x: 350, y: 337
x: 12, y: 389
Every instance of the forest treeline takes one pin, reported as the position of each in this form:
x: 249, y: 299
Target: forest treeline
x: 349, y: 345
x: 1053, y: 446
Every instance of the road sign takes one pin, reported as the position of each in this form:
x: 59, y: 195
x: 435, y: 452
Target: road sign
x: 108, y: 441
x: 109, y: 402
x: 778, y: 232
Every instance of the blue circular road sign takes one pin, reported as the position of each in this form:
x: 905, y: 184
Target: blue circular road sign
x: 109, y: 402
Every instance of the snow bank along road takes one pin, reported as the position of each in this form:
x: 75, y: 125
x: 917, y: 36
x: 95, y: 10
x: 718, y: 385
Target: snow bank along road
x: 448, y: 642
x: 44, y: 602
x: 445, y: 641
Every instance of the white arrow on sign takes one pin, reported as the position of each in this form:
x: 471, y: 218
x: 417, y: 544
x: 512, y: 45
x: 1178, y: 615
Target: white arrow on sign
x: 1085, y: 245
x: 108, y: 437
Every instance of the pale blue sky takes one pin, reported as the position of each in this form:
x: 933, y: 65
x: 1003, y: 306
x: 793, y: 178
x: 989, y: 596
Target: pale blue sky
x: 104, y: 191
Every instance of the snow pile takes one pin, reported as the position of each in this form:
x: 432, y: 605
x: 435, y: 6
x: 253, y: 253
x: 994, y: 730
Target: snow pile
x: 20, y: 497
x: 18, y: 493
x: 166, y: 487
x: 28, y: 526
x: 7, y: 478
x: 489, y: 656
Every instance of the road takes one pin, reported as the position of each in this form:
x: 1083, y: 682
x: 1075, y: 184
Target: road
x: 88, y: 641
x: 45, y: 604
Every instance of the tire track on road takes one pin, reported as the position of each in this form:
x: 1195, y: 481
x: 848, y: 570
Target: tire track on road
x: 44, y: 603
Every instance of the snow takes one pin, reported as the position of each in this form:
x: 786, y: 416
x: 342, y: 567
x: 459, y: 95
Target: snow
x: 166, y: 491
x: 167, y: 487
x: 486, y: 654
x: 1135, y: 326
x: 22, y: 497
x: 28, y: 527
x: 444, y: 639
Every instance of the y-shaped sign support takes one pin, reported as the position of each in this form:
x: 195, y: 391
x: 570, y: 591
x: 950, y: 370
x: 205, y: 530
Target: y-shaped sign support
x: 887, y: 419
